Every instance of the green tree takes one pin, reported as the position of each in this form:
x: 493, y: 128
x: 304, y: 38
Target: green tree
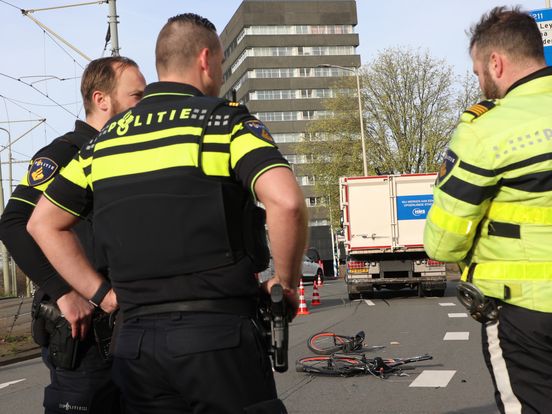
x: 411, y: 103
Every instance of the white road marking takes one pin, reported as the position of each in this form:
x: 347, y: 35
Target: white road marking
x: 447, y: 304
x: 369, y: 302
x: 431, y: 378
x: 457, y: 315
x: 456, y: 336
x: 7, y: 384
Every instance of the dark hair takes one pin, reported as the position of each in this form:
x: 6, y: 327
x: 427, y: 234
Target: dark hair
x: 181, y: 40
x: 101, y: 75
x: 511, y: 30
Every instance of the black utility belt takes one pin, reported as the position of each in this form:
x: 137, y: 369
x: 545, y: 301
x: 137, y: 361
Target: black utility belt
x: 242, y: 307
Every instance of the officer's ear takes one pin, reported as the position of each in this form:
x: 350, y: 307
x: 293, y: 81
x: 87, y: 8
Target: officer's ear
x: 496, y: 65
x: 101, y: 101
x: 203, y: 59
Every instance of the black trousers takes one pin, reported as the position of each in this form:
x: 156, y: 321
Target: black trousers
x: 87, y: 389
x: 518, y: 354
x: 193, y: 363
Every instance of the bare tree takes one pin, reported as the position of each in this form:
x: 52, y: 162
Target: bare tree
x: 411, y: 105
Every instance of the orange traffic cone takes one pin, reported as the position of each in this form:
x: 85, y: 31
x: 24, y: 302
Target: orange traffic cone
x: 320, y: 281
x: 315, y: 295
x: 303, y: 310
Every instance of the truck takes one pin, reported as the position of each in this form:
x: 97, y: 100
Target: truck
x: 383, y: 220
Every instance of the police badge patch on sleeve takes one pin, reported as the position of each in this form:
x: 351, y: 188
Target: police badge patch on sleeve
x: 449, y: 161
x: 258, y: 129
x: 41, y: 170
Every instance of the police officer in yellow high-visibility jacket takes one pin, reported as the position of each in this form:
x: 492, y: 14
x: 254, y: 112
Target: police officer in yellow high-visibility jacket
x: 493, y: 206
x: 170, y: 183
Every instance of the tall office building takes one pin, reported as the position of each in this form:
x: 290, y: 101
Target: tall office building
x: 278, y: 57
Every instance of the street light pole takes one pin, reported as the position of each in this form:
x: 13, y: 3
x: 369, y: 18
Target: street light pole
x: 362, y: 138
x: 5, y: 259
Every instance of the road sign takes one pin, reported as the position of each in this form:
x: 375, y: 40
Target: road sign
x: 413, y: 207
x: 543, y: 17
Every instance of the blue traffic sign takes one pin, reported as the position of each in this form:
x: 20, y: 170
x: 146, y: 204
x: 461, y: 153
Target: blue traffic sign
x: 543, y: 18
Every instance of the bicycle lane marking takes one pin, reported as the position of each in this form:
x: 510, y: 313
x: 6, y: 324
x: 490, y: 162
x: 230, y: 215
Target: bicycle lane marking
x: 456, y: 336
x: 447, y: 304
x: 458, y: 315
x: 369, y: 302
x: 7, y: 384
x: 433, y: 378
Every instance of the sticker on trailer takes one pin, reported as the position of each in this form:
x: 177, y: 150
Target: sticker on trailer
x: 414, y: 207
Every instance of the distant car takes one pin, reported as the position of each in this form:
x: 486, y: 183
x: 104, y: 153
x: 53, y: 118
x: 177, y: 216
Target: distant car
x: 309, y: 269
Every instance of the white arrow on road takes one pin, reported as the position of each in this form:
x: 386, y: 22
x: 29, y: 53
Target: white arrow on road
x: 7, y: 384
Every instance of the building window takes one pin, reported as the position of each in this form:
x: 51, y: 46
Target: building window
x: 319, y: 222
x: 306, y: 180
x: 281, y: 73
x: 316, y: 201
x: 289, y: 137
x: 299, y: 158
x: 278, y: 94
x: 295, y: 30
x: 293, y: 116
x: 294, y: 51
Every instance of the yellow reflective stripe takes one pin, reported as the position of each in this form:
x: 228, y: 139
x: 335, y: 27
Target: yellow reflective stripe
x: 62, y: 206
x: 74, y: 173
x: 517, y: 213
x: 149, y: 136
x: 254, y: 180
x: 155, y: 159
x: 23, y: 201
x: 217, y: 139
x: 449, y: 222
x: 216, y: 163
x: 166, y: 94
x: 85, y: 162
x: 243, y: 145
x: 513, y: 271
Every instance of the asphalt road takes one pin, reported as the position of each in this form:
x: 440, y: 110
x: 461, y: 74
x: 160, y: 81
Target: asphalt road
x: 456, y: 381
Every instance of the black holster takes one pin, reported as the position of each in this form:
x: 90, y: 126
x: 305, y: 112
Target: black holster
x: 102, y: 325
x: 62, y: 347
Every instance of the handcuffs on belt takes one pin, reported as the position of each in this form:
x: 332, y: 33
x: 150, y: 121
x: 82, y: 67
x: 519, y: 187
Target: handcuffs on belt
x: 481, y: 308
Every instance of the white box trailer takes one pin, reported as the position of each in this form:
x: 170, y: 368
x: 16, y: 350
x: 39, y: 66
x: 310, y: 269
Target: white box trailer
x: 383, y: 223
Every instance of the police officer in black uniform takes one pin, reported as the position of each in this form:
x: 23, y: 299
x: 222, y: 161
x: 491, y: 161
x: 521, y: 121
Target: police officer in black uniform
x: 173, y: 183
x: 80, y: 382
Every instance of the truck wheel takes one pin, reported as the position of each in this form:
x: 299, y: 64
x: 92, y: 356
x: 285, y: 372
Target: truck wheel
x: 421, y: 292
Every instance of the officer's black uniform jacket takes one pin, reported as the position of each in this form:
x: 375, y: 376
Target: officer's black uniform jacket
x: 167, y: 199
x: 44, y: 166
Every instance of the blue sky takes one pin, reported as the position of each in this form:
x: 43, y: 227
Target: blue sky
x: 436, y: 25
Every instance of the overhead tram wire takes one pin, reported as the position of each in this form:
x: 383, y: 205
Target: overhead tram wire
x: 9, y: 4
x: 40, y: 92
x: 15, y: 102
x: 62, y: 48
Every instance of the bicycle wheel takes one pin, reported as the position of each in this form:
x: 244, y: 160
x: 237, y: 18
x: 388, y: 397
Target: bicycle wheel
x: 326, y: 343
x: 330, y: 365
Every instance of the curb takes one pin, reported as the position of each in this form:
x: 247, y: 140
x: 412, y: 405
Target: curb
x: 20, y: 356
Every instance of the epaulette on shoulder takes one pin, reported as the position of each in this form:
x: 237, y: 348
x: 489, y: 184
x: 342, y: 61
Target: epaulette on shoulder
x: 477, y: 110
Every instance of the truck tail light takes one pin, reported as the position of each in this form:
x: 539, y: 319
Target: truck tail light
x: 357, y: 266
x: 435, y: 263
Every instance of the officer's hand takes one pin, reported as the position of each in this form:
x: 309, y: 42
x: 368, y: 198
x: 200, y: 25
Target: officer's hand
x: 292, y: 296
x: 109, y: 303
x: 78, y: 312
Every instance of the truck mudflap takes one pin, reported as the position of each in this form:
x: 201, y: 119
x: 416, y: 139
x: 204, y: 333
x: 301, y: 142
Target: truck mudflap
x: 358, y: 287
